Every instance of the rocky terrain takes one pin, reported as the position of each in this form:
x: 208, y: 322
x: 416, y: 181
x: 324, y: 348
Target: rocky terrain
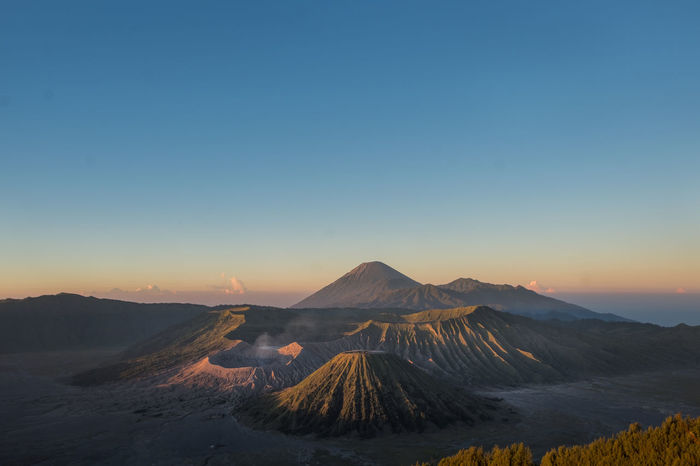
x: 257, y: 349
x: 365, y: 393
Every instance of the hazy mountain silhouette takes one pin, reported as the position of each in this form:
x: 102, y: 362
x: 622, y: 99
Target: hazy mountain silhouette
x: 520, y: 300
x: 181, y: 343
x: 366, y: 392
x: 376, y: 285
x: 71, y: 321
x: 361, y: 285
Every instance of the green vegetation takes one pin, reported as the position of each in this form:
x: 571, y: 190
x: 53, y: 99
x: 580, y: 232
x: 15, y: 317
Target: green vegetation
x: 676, y: 442
x: 514, y: 455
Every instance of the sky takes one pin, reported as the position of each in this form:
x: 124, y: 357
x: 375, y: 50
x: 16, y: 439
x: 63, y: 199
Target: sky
x: 255, y: 151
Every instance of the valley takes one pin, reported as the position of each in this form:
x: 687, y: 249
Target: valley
x: 44, y: 418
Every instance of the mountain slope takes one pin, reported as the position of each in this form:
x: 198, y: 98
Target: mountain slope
x: 376, y: 285
x: 265, y: 348
x: 365, y: 392
x: 416, y: 298
x: 71, y: 321
x: 479, y: 345
x: 519, y: 300
x: 361, y: 284
x: 240, y: 346
x: 203, y: 335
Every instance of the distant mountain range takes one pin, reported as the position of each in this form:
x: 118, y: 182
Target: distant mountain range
x: 376, y: 285
x: 70, y: 321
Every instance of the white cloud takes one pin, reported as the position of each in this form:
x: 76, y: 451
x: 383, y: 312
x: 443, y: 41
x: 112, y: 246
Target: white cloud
x: 230, y: 286
x: 537, y: 288
x: 229, y: 291
x: 147, y: 293
x: 236, y: 287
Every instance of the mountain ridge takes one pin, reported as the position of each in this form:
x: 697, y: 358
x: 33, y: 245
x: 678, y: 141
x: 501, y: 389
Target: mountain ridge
x: 72, y: 321
x: 376, y: 290
x: 259, y: 349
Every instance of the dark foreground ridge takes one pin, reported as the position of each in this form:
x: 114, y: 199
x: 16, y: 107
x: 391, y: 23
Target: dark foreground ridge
x: 367, y: 392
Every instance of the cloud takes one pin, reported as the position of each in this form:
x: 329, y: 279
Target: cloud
x: 236, y: 287
x: 230, y: 285
x: 230, y: 290
x: 148, y: 293
x: 228, y: 293
x: 681, y: 291
x: 148, y: 289
x: 537, y: 288
x: 534, y: 286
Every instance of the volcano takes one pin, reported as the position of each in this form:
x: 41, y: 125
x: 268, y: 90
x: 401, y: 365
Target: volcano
x: 367, y: 392
x: 361, y: 285
x: 375, y: 285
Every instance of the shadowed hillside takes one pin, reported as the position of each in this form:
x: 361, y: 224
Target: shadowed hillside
x: 366, y: 392
x: 70, y: 321
x: 189, y: 341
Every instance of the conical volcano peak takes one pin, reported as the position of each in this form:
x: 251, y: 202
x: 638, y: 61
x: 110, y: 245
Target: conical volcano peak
x: 367, y: 392
x: 376, y: 270
x: 361, y: 285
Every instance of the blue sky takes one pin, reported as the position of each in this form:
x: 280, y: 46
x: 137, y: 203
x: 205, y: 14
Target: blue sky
x: 284, y: 142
